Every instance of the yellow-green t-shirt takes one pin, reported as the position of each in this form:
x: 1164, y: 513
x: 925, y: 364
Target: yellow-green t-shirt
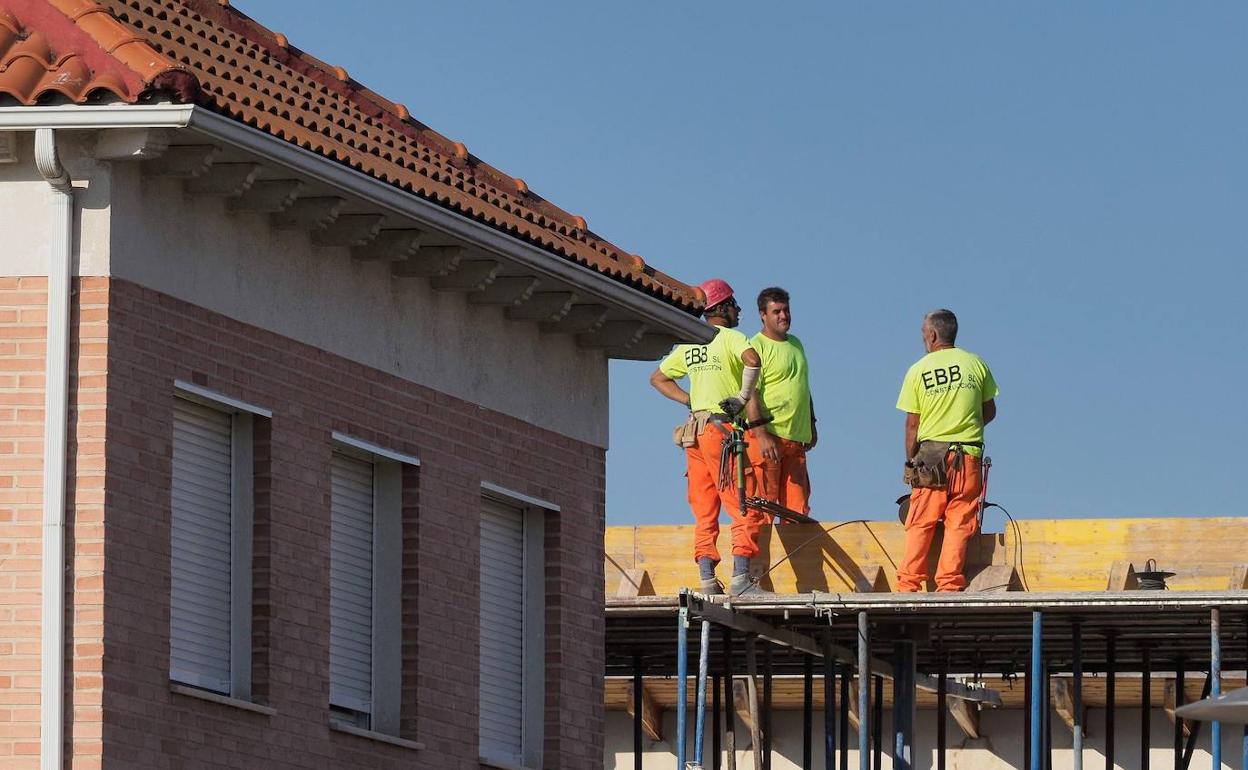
x: 714, y: 369
x: 947, y: 389
x: 784, y: 386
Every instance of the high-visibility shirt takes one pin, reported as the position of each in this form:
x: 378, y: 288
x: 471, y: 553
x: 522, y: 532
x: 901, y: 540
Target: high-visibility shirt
x: 784, y: 386
x: 947, y: 390
x: 714, y: 369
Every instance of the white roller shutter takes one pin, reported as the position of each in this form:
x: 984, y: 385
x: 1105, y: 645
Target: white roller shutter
x: 502, y: 632
x: 199, y: 610
x: 351, y: 584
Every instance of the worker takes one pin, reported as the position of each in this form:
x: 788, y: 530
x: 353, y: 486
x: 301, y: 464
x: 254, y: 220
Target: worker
x: 948, y: 397
x: 778, y: 448
x: 722, y: 373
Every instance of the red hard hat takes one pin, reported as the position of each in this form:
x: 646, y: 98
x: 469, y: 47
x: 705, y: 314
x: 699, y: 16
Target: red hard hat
x: 716, y: 290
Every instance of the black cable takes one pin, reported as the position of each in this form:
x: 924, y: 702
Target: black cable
x: 1017, y: 561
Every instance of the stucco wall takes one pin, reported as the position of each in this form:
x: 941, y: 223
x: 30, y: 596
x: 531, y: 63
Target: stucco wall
x: 147, y: 231
x: 1001, y: 748
x: 25, y: 216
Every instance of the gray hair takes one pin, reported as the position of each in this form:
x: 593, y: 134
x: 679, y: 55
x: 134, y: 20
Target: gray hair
x: 944, y: 323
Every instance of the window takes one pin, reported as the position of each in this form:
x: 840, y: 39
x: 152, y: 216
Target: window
x: 211, y: 507
x: 365, y: 574
x: 512, y: 647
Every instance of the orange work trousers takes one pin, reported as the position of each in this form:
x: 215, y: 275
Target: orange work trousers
x: 957, y: 507
x: 785, y: 481
x: 706, y: 499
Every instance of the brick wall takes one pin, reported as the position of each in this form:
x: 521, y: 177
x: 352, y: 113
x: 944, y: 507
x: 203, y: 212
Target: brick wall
x: 153, y: 340
x: 23, y: 318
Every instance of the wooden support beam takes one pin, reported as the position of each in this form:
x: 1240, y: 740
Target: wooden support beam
x: 1239, y: 577
x: 854, y: 720
x: 580, y: 319
x: 349, y: 230
x: 873, y: 580
x: 995, y: 578
x: 268, y: 196
x: 1122, y: 577
x: 614, y: 334
x: 505, y: 290
x: 634, y: 583
x: 230, y: 179
x: 1064, y: 704
x: 182, y: 161
x: 430, y: 262
x: 1168, y: 704
x: 472, y: 275
x: 544, y: 306
x: 309, y: 214
x: 741, y: 690
x: 390, y: 245
x: 651, y: 713
x: 966, y: 714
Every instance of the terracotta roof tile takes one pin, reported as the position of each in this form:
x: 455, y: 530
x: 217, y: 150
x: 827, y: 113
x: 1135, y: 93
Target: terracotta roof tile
x: 208, y: 52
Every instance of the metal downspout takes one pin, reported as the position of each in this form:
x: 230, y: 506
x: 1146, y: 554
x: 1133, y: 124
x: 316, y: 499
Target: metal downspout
x: 56, y: 411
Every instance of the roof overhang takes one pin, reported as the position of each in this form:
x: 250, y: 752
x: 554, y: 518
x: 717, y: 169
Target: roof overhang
x: 342, y: 206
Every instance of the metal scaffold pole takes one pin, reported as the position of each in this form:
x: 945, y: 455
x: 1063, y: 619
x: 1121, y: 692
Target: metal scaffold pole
x: 942, y: 706
x: 903, y: 707
x: 864, y: 692
x: 829, y: 701
x: 1215, y: 676
x: 704, y: 645
x: 1146, y: 707
x: 682, y: 684
x: 638, y: 694
x: 808, y: 698
x: 1180, y: 675
x: 1037, y: 690
x: 1076, y: 694
x: 1111, y: 654
x: 847, y: 675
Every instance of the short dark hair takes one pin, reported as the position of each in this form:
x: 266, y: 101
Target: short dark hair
x: 944, y: 323
x: 771, y: 294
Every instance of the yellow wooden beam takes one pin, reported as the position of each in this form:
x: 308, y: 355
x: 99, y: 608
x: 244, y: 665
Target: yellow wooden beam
x: 1055, y: 555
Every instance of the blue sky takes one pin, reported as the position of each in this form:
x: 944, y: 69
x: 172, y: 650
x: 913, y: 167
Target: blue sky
x: 1070, y: 178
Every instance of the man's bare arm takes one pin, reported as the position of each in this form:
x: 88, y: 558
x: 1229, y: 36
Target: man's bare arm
x: 990, y: 410
x: 912, y: 435
x: 669, y: 388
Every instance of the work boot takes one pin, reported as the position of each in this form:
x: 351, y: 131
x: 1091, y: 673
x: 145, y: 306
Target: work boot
x: 745, y: 585
x: 712, y: 587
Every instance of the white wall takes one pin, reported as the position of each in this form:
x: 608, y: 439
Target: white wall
x: 1001, y: 748
x: 146, y: 230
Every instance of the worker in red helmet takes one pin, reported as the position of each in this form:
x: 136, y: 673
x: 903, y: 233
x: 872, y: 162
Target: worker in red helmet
x: 726, y: 368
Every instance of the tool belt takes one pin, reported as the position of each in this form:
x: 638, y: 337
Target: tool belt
x: 686, y: 434
x: 928, y: 469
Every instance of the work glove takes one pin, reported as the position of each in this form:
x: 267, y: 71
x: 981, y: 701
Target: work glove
x: 732, y: 406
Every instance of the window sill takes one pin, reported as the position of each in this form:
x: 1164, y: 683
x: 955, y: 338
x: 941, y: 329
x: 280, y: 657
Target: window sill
x: 224, y: 700
x: 497, y: 765
x: 360, y: 732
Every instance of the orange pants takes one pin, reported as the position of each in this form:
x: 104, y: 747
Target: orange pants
x: 786, y: 481
x: 706, y: 499
x: 957, y: 507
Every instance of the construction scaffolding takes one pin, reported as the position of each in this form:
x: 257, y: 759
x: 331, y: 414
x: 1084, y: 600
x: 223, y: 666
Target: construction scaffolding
x: 957, y: 652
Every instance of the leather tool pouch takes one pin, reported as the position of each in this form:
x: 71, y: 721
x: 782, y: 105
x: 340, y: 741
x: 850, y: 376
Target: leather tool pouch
x: 927, y: 468
x: 686, y: 434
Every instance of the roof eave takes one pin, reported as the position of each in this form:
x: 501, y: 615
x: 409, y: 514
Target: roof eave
x: 659, y: 316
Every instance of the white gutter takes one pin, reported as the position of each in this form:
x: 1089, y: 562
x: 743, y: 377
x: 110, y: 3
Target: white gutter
x: 56, y: 413
x: 662, y: 316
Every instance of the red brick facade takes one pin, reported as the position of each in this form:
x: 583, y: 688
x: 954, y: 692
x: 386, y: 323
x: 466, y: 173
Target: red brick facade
x: 124, y: 714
